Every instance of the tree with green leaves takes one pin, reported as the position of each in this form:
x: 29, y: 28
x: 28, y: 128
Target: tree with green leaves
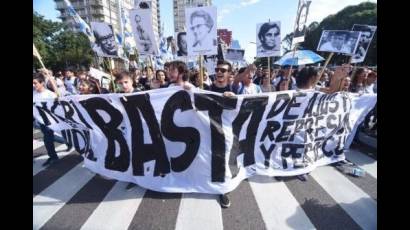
x: 363, y: 13
x: 58, y: 46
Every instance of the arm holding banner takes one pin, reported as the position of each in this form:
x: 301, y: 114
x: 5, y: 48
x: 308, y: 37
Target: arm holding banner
x: 335, y: 82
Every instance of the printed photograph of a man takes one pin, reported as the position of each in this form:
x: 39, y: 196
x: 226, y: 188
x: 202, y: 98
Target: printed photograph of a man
x: 268, y: 39
x: 105, y: 45
x: 181, y: 44
x: 300, y: 30
x: 201, y: 31
x: 339, y: 41
x: 145, y: 37
x: 364, y: 41
x: 235, y: 54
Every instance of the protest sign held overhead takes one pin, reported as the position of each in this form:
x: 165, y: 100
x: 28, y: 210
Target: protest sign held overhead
x: 364, y: 42
x: 126, y: 31
x: 200, y: 141
x: 145, y: 37
x: 300, y: 27
x: 210, y: 64
x: 234, y: 54
x: 105, y: 44
x: 182, y: 44
x: 268, y: 39
x: 201, y: 30
x: 339, y: 41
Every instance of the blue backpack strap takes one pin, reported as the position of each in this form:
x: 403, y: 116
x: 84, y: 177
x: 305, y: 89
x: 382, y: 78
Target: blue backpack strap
x: 258, y: 89
x: 76, y: 82
x: 241, y: 88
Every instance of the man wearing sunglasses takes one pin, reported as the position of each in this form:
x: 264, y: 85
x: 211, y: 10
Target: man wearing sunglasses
x: 222, y: 72
x: 220, y: 85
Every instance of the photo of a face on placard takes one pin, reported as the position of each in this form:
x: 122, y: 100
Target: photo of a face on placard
x: 339, y: 41
x: 105, y: 45
x: 268, y: 39
x: 364, y: 41
x: 143, y: 32
x: 182, y: 44
x: 210, y: 64
x: 300, y: 30
x: 201, y: 30
x: 234, y: 54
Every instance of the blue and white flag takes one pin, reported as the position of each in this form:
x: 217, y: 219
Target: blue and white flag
x: 127, y: 41
x: 77, y: 22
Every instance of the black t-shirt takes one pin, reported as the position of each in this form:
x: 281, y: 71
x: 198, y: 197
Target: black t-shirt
x: 143, y: 80
x: 257, y: 80
x: 214, y: 88
x: 164, y: 85
x: 136, y: 90
x: 104, y: 91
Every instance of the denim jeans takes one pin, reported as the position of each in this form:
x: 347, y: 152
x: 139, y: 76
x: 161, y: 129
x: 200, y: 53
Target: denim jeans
x: 49, y: 141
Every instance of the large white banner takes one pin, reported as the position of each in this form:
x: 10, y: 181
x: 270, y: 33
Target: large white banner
x: 172, y: 140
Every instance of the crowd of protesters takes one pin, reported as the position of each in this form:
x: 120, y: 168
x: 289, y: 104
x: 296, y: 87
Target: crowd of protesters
x: 226, y: 80
x: 256, y: 80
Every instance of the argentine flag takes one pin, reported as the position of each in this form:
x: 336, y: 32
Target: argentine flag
x: 78, y: 23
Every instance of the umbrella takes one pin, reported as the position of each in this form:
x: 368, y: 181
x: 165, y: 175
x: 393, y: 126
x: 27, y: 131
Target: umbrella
x: 302, y: 57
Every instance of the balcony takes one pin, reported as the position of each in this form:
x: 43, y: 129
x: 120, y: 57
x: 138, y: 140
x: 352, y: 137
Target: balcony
x: 95, y: 3
x: 77, y: 5
x: 60, y: 5
x: 97, y: 11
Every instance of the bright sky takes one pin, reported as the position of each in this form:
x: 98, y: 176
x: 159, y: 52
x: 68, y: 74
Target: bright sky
x: 239, y: 16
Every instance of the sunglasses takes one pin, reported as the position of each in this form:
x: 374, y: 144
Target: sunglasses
x: 220, y: 69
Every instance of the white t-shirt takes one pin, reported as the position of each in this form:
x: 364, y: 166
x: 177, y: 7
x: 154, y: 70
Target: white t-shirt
x: 251, y: 89
x: 369, y: 88
x: 276, y: 81
x: 46, y: 94
x: 208, y: 82
x: 70, y: 85
x: 185, y: 83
